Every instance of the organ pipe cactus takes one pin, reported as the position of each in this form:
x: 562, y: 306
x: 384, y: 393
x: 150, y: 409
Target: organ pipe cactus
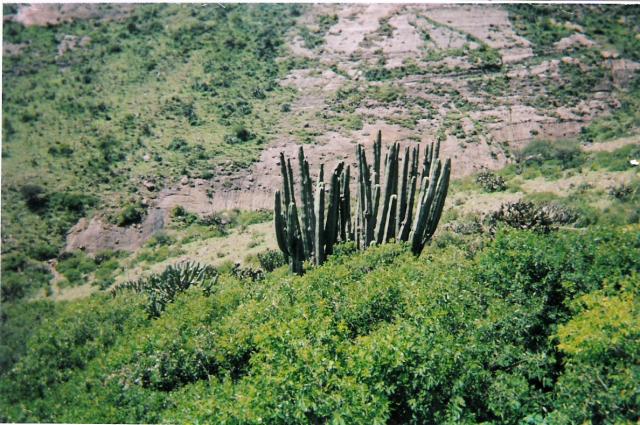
x: 383, y: 211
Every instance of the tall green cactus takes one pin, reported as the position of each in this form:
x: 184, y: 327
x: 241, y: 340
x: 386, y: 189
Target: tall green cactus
x: 383, y: 212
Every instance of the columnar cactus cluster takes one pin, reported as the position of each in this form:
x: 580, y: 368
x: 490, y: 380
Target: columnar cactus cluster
x: 383, y: 212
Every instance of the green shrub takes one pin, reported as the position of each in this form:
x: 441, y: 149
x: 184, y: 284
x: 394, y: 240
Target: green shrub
x: 17, y: 323
x: 567, y: 154
x: 239, y: 134
x: 617, y: 160
x: 601, y: 344
x: 271, y: 259
x: 162, y: 288
x: 179, y: 144
x: 76, y: 267
x: 161, y: 238
x: 180, y: 215
x: 490, y: 182
x: 247, y: 218
x: 35, y: 196
x: 21, y: 276
x: 514, y: 332
x: 132, y: 213
x: 42, y: 250
x: 65, y: 344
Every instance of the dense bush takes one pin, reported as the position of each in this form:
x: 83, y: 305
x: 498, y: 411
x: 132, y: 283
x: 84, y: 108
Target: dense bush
x: 21, y: 276
x: 63, y: 346
x: 490, y: 182
x: 35, y: 196
x: 132, y: 213
x: 566, y: 153
x: 271, y: 259
x: 76, y: 267
x: 520, y: 215
x: 161, y: 289
x: 516, y: 333
x: 17, y: 322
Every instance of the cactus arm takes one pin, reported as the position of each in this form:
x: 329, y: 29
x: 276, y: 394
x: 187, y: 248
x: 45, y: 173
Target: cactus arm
x: 306, y: 210
x: 405, y: 227
x: 402, y: 191
x: 285, y: 180
x: 377, y: 150
x: 367, y: 204
x: 294, y: 240
x: 345, y: 206
x: 390, y: 188
x: 279, y: 222
x: 331, y: 227
x: 319, y: 229
x: 420, y: 214
x: 440, y: 197
x: 373, y: 215
x: 357, y: 228
x: 390, y: 225
x: 290, y: 182
x: 310, y: 210
x: 424, y: 206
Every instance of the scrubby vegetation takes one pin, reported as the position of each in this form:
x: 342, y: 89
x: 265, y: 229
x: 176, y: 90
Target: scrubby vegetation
x: 183, y: 86
x: 524, y: 310
x: 514, y: 332
x: 544, y: 25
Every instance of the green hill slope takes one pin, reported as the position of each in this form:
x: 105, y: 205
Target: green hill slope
x: 169, y: 91
x: 530, y: 328
x: 96, y: 109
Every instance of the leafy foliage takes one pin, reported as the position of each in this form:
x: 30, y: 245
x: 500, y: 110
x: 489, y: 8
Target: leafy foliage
x: 515, y: 333
x: 565, y: 153
x: 161, y: 289
x: 271, y: 259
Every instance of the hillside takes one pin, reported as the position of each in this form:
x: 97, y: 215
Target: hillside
x: 139, y: 139
x: 511, y: 332
x: 137, y: 110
